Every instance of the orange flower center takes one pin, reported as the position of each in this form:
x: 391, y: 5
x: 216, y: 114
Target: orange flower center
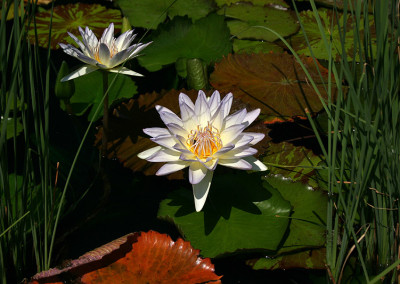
x: 204, y: 141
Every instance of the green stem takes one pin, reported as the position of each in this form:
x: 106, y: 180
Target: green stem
x: 105, y: 116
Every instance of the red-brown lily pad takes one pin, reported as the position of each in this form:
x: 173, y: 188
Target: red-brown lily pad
x: 68, y: 18
x: 126, y: 138
x: 276, y: 83
x: 137, y: 258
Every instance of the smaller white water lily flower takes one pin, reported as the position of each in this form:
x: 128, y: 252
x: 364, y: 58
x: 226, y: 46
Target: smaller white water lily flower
x: 205, y: 136
x: 107, y: 53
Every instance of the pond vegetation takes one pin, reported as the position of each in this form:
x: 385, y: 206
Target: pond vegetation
x: 297, y: 102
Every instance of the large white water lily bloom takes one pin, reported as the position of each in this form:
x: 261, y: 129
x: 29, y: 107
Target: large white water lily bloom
x: 205, y: 136
x: 107, y: 53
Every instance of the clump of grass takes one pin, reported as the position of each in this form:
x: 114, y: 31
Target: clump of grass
x: 362, y: 155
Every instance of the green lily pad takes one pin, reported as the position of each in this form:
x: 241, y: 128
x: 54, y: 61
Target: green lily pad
x: 304, y: 245
x: 240, y: 214
x: 276, y: 83
x: 247, y: 19
x: 308, y: 218
x: 149, y: 13
x: 255, y: 46
x: 89, y: 92
x: 309, y: 259
x: 207, y: 39
x: 307, y: 18
x: 296, y: 162
x: 68, y: 18
x: 274, y: 3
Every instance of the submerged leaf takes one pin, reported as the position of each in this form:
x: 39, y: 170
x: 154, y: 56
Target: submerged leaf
x: 276, y: 83
x: 241, y: 214
x: 68, y: 18
x: 207, y: 39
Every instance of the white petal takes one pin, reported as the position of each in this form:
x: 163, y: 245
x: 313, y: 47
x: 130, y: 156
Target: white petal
x: 202, y: 110
x: 214, y: 102
x: 177, y: 130
x: 125, y: 71
x: 189, y: 157
x: 89, y: 39
x: 243, y: 140
x: 257, y: 137
x: 169, y: 117
x: 188, y: 117
x: 224, y: 149
x: 212, y: 164
x: 80, y: 72
x: 240, y: 164
x: 118, y: 58
x: 156, y: 131
x: 149, y: 152
x: 235, y: 118
x: 108, y: 35
x: 230, y: 133
x: 104, y: 54
x: 167, y: 141
x: 200, y: 191
x: 227, y: 103
x: 182, y: 146
x: 257, y: 165
x: 124, y: 40
x: 197, y: 172
x: 239, y: 153
x: 137, y: 49
x: 81, y: 45
x: 251, y: 116
x: 164, y: 155
x: 218, y: 118
x: 172, y: 167
x: 183, y: 98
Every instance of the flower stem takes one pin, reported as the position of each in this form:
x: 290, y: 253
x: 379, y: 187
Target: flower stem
x: 105, y: 116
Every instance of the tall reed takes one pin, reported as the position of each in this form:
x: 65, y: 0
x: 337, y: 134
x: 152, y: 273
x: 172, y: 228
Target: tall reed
x: 27, y: 199
x: 362, y: 155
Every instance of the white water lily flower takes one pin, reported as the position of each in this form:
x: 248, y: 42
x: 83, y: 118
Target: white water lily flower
x: 205, y: 136
x: 107, y: 53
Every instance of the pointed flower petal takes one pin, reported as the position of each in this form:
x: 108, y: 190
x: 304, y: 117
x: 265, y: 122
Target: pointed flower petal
x: 79, y: 72
x: 200, y: 191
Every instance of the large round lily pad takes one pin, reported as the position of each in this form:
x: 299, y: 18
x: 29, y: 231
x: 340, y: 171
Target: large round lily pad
x: 246, y: 19
x: 150, y: 13
x: 207, y: 39
x: 276, y: 83
x: 68, y: 18
x: 241, y: 213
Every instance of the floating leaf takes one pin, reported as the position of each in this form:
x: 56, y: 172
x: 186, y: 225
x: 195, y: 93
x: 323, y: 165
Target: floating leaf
x: 89, y: 92
x: 296, y: 162
x: 328, y: 17
x: 303, y: 247
x: 126, y: 137
x: 276, y: 83
x: 137, y: 258
x: 207, y: 39
x: 273, y: 3
x: 149, y: 13
x: 308, y: 220
x: 240, y: 214
x: 68, y: 18
x: 309, y: 259
x: 254, y: 46
x: 247, y: 19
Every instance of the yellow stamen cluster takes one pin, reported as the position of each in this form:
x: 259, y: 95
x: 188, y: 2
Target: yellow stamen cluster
x: 204, y: 141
